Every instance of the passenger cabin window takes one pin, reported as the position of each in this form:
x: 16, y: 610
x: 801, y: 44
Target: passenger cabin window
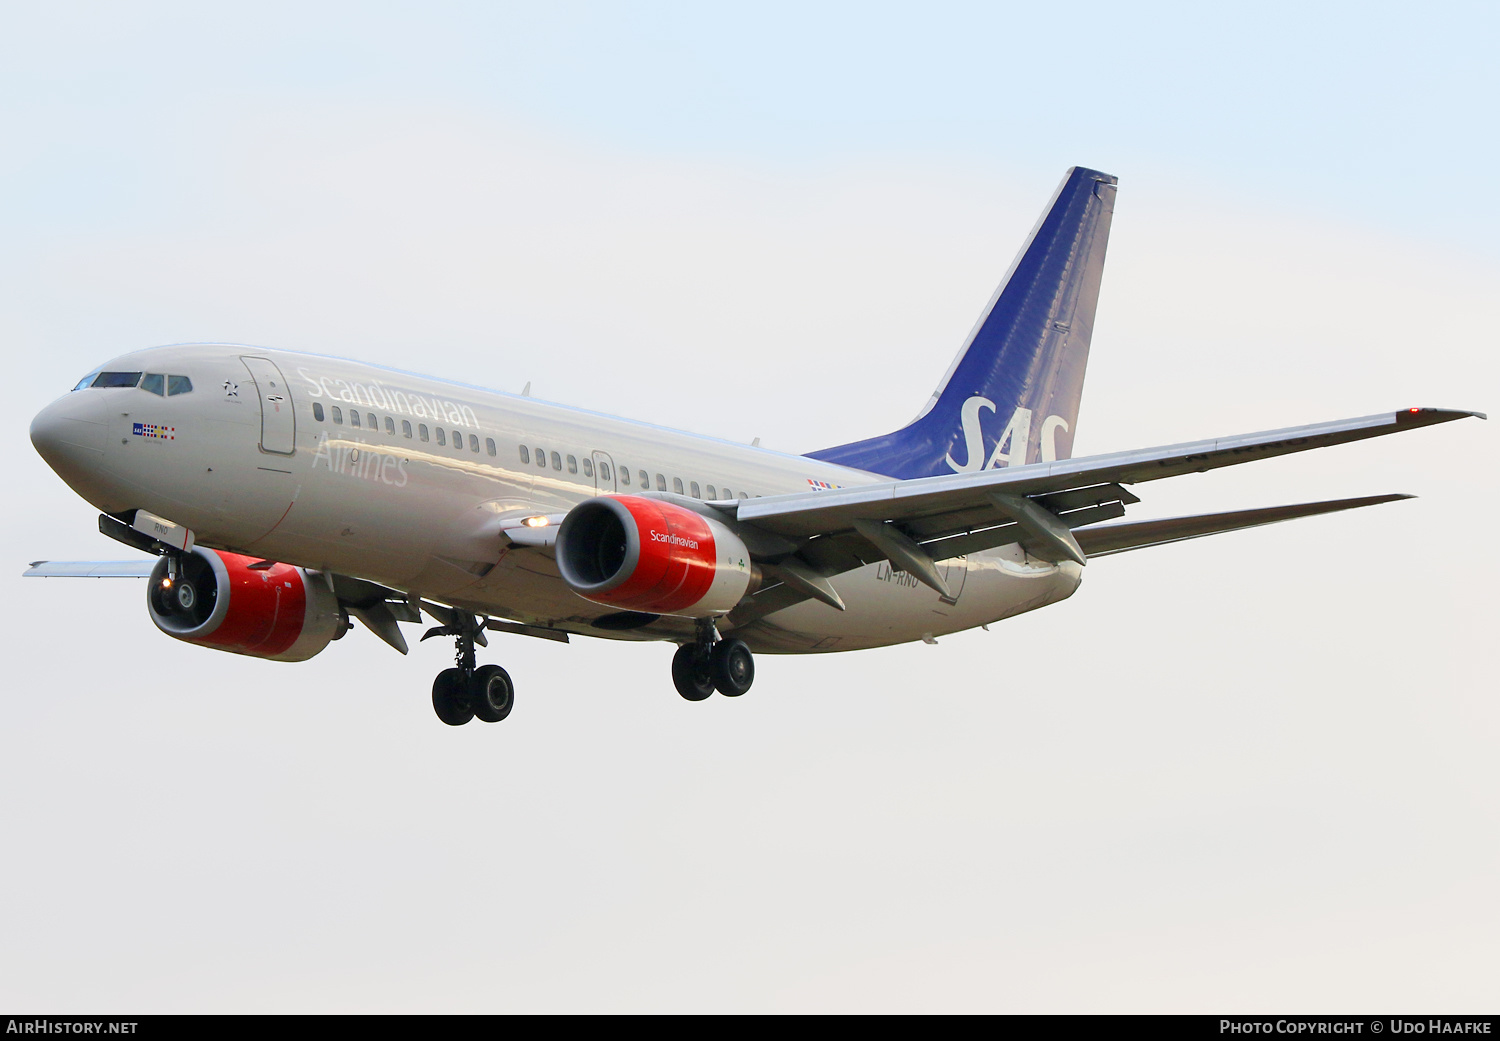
x: 474, y: 443
x: 489, y: 445
x: 442, y: 436
x: 390, y: 426
x: 354, y: 417
x: 338, y: 415
x: 179, y: 385
x: 406, y: 428
x: 711, y: 493
x: 374, y: 425
x: 677, y: 485
x: 318, y: 411
x: 624, y: 475
x: 661, y: 483
x: 728, y: 494
x: 572, y: 464
x: 588, y: 467
x: 525, y: 455
x: 645, y: 481
x: 154, y: 383
x: 556, y: 461
x: 743, y: 495
x: 541, y: 457
x: 421, y: 430
x: 117, y: 379
x: 693, y: 490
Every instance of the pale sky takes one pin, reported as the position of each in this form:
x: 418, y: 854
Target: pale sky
x: 1248, y: 773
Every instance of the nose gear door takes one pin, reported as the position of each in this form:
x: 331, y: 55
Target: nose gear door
x: 278, y: 425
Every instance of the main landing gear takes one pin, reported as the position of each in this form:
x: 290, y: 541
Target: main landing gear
x: 465, y: 691
x: 710, y: 663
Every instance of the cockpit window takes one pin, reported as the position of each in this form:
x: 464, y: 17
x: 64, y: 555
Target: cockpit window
x: 155, y: 383
x: 116, y: 379
x: 179, y: 385
x: 87, y: 381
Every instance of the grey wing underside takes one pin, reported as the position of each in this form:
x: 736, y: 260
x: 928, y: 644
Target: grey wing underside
x: 378, y: 607
x: 1050, y: 509
x: 810, y: 514
x: 90, y: 568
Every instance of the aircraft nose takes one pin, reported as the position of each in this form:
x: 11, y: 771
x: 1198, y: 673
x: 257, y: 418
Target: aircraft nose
x: 69, y: 435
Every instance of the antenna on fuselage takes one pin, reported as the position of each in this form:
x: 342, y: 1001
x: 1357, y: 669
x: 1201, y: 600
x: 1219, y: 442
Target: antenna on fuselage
x: 526, y: 390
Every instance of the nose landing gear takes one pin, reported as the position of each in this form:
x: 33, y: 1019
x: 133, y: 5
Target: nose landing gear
x: 710, y: 663
x: 467, y: 691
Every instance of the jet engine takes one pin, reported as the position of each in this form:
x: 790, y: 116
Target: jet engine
x: 218, y: 600
x: 648, y: 555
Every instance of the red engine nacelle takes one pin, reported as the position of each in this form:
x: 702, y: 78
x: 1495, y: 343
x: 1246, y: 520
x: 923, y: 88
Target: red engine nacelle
x: 280, y: 612
x: 647, y: 555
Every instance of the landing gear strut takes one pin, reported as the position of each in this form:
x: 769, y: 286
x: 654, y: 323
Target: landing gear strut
x: 465, y: 691
x: 710, y: 663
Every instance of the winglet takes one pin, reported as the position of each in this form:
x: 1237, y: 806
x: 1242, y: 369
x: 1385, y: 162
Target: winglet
x: 1425, y: 416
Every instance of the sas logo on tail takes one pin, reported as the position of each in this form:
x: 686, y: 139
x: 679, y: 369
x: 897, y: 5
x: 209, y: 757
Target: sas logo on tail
x: 1015, y: 439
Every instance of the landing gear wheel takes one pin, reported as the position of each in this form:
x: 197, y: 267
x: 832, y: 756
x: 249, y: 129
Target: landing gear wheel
x: 450, y: 698
x: 691, y: 674
x: 733, y: 667
x: 491, y: 693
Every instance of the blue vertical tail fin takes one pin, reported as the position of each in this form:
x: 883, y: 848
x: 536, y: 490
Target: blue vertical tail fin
x: 1011, y: 395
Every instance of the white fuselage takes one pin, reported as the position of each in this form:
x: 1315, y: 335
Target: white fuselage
x: 414, y: 496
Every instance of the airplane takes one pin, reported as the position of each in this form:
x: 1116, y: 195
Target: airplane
x: 281, y: 496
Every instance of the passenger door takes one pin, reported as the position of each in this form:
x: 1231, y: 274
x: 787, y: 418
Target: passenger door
x: 278, y: 424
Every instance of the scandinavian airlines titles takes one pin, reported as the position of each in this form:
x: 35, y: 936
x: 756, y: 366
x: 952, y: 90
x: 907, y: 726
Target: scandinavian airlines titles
x: 375, y: 395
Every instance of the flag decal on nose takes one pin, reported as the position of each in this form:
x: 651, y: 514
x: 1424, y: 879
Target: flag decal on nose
x: 154, y: 430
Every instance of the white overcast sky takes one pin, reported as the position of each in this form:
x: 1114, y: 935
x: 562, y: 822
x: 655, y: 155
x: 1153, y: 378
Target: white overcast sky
x: 1252, y: 773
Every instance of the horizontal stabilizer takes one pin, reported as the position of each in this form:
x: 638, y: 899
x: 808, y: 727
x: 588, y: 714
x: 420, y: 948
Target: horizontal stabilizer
x: 90, y: 568
x: 1117, y: 538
